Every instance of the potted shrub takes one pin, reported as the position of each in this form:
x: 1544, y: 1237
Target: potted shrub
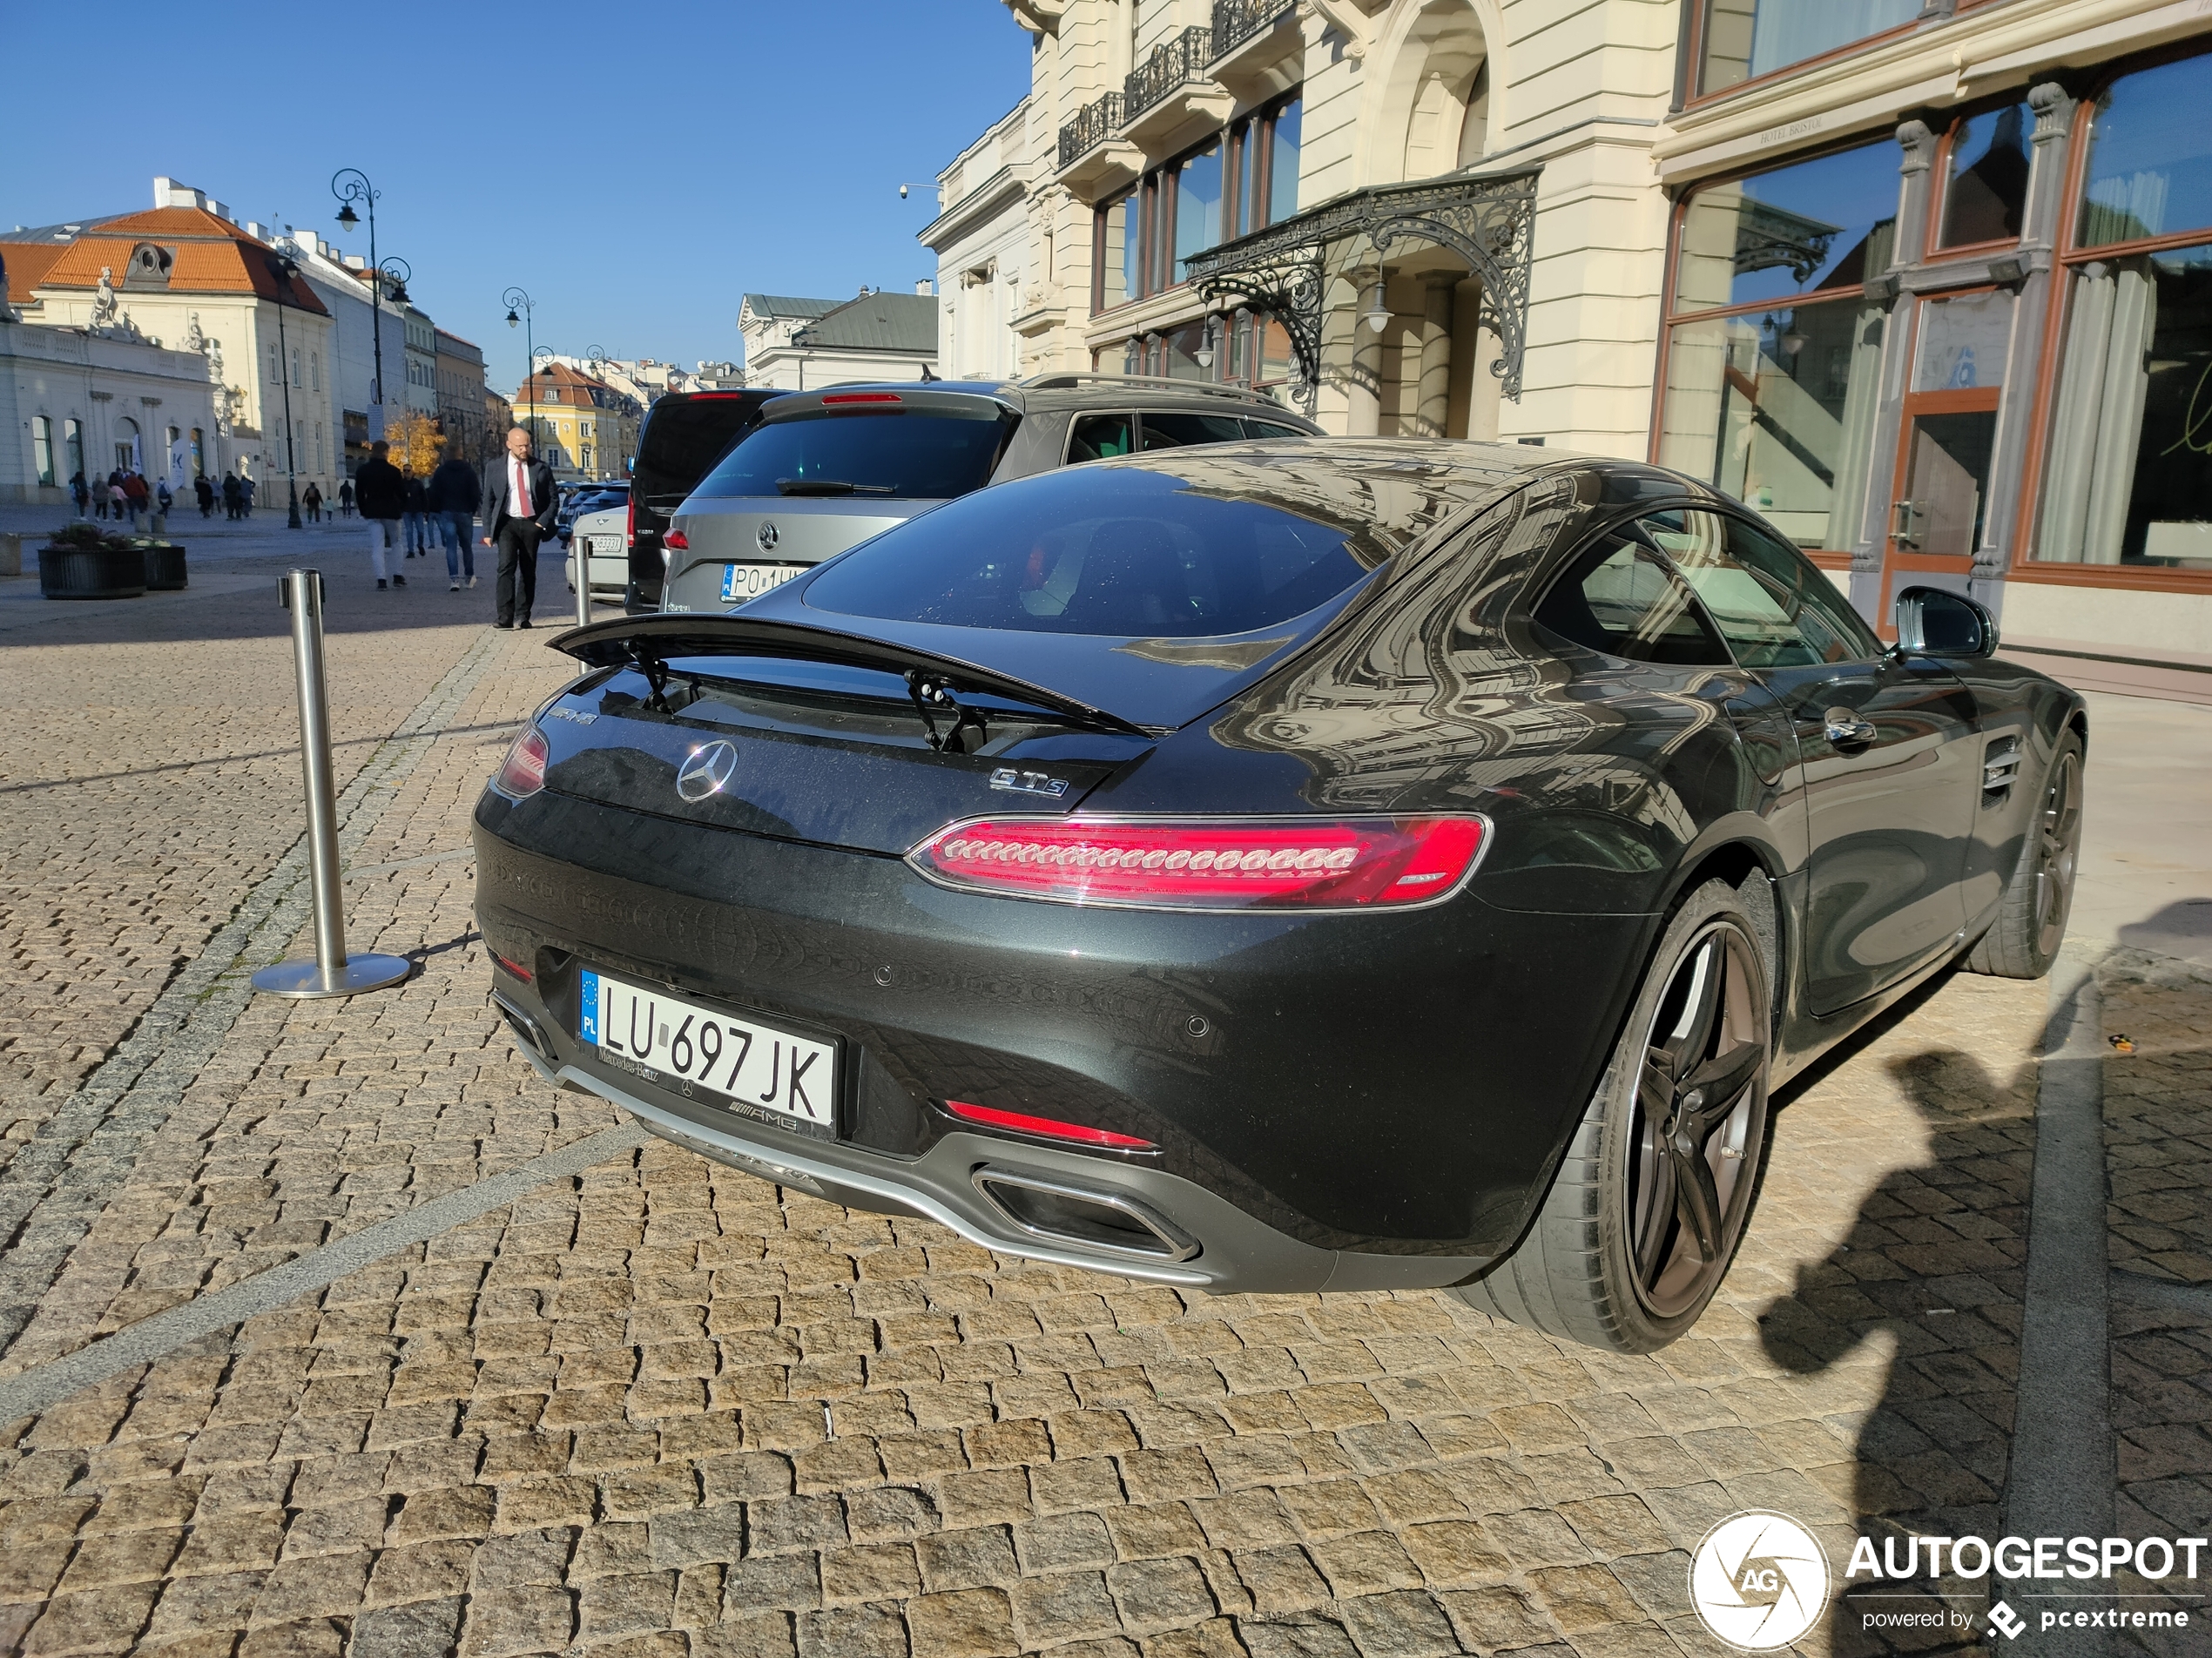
x: 165, y: 562
x: 81, y: 561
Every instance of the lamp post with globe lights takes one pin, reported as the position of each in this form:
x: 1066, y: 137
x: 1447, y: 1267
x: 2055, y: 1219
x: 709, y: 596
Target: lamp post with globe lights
x: 521, y: 312
x: 351, y: 184
x: 283, y: 270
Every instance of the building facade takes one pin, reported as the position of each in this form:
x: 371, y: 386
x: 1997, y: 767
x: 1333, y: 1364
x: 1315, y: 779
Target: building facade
x: 185, y: 276
x: 76, y: 401
x: 803, y: 345
x: 458, y: 369
x: 583, y: 427
x: 1916, y: 277
x: 984, y: 245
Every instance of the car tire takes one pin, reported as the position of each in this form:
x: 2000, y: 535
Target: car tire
x: 1630, y: 1244
x: 2024, y: 940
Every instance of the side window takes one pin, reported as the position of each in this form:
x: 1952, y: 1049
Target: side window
x: 1175, y: 429
x: 1097, y: 437
x: 1774, y: 606
x: 1619, y: 598
x: 1267, y: 429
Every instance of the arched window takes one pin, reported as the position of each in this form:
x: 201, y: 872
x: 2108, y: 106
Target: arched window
x: 128, y: 457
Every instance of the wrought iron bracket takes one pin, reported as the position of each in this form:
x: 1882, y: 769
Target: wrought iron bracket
x: 1487, y: 219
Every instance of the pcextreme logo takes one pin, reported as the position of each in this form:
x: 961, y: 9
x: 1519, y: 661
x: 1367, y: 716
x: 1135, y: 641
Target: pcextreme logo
x: 1759, y: 1580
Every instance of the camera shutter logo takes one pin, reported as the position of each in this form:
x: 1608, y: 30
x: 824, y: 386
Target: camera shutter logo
x: 705, y: 771
x: 768, y: 537
x: 1759, y: 1580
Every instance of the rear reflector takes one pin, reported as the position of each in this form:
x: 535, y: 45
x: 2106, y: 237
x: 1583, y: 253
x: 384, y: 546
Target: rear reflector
x: 861, y: 397
x: 523, y: 773
x: 515, y: 968
x: 677, y: 540
x: 1051, y: 1128
x: 1261, y: 863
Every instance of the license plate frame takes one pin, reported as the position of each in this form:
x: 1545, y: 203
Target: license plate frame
x: 736, y: 592
x: 795, y: 1069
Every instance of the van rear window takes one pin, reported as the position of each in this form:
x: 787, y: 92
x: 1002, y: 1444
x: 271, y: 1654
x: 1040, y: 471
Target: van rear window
x: 903, y: 454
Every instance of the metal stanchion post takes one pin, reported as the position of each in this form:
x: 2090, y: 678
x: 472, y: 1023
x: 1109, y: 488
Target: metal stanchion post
x: 583, y: 580
x: 332, y: 973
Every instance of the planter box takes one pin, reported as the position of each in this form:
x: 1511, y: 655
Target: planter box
x: 165, y: 568
x: 91, y: 572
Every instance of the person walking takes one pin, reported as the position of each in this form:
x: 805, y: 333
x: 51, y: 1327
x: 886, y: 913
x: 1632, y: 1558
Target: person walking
x: 231, y: 495
x: 381, y: 490
x: 80, y: 492
x: 246, y: 490
x: 204, y: 492
x: 519, y: 511
x: 418, y: 520
x: 454, y: 494
x: 346, y: 498
x: 161, y: 494
x: 136, y: 497
x: 108, y: 494
x: 311, y: 499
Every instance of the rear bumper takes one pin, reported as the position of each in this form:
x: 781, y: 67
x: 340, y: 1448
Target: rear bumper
x: 1370, y: 1101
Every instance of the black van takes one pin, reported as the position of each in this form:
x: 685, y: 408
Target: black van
x: 684, y: 433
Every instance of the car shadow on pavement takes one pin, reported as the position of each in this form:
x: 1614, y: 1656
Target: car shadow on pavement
x: 1934, y: 1263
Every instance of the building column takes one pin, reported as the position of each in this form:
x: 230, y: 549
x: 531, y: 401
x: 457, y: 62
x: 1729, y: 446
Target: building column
x: 1363, y: 390
x: 1432, y: 405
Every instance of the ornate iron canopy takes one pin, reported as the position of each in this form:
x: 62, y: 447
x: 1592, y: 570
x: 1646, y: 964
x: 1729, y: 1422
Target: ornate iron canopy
x: 1486, y: 218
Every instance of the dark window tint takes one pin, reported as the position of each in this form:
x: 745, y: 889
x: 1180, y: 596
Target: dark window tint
x: 1172, y: 431
x: 1263, y: 428
x: 909, y: 455
x: 683, y: 437
x: 1987, y: 191
x: 1097, y: 437
x: 1618, y: 599
x: 1113, y: 551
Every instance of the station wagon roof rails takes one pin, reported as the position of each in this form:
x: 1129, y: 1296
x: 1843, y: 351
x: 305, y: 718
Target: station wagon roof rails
x: 1148, y: 382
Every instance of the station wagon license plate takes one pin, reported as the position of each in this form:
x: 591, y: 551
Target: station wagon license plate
x: 743, y: 582
x: 744, y: 1066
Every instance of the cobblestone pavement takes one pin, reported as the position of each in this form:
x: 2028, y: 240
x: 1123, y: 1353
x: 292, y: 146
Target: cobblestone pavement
x: 656, y: 1408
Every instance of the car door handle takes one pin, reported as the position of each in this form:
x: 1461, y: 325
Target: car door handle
x: 1843, y: 727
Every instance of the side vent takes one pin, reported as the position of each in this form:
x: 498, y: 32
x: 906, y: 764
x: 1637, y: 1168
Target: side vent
x: 2000, y: 768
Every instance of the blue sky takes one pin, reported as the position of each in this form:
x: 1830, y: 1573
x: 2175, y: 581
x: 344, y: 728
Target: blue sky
x: 636, y: 167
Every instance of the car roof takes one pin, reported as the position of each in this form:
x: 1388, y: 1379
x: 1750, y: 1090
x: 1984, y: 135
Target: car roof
x: 1050, y: 392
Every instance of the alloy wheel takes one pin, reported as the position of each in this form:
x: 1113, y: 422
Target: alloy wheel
x: 2058, y: 845
x: 1699, y: 1120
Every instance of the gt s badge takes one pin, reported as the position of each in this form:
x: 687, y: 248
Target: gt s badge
x: 1028, y: 782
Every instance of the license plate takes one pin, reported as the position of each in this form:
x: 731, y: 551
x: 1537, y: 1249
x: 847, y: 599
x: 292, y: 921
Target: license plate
x: 605, y: 546
x: 743, y: 582
x: 744, y: 1066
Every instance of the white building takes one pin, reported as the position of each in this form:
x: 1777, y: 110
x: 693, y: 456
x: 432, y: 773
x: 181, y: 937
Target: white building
x: 804, y: 345
x: 984, y: 246
x: 73, y: 400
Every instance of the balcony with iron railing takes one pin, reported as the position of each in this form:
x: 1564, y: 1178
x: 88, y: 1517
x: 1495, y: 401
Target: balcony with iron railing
x: 1170, y: 89
x: 1094, y: 157
x: 1235, y: 21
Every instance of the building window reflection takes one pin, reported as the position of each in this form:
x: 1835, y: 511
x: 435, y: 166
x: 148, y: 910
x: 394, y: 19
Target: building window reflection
x: 1741, y: 40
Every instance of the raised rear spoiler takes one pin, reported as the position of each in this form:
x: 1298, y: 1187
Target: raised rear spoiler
x: 650, y: 643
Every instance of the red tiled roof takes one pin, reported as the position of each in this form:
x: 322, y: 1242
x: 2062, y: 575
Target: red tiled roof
x: 211, y: 256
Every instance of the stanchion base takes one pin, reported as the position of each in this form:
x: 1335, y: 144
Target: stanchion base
x: 305, y: 981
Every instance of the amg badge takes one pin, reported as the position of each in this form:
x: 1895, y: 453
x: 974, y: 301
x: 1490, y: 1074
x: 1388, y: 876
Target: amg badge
x: 1029, y: 782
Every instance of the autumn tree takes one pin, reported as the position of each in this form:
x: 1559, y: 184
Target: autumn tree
x: 414, y: 441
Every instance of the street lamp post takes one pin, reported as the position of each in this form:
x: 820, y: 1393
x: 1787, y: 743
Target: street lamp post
x: 538, y: 353
x: 283, y: 270
x: 513, y: 299
x: 355, y: 187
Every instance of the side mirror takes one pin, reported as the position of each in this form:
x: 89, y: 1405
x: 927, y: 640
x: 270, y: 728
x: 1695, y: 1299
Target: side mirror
x: 1935, y: 622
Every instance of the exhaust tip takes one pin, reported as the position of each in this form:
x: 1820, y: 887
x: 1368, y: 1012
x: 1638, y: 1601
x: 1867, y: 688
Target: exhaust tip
x: 1107, y: 1222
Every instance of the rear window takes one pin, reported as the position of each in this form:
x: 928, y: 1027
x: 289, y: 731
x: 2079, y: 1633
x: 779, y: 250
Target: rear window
x: 905, y: 454
x: 682, y: 437
x: 1105, y: 551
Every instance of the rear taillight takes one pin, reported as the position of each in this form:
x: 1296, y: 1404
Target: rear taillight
x: 523, y: 772
x: 862, y: 397
x: 1049, y: 1128
x: 677, y: 541
x: 1221, y: 864
x: 630, y: 526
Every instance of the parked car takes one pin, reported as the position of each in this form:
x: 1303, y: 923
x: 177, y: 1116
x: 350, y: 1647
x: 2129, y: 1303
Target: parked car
x: 1286, y: 866
x: 684, y: 433
x: 825, y: 470
x: 579, y: 498
x: 603, y: 532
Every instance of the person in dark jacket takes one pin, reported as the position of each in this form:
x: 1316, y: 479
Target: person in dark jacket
x: 520, y: 507
x: 80, y: 492
x: 346, y: 499
x: 232, y: 496
x: 204, y: 492
x: 418, y: 520
x: 311, y: 499
x: 454, y: 494
x: 380, y: 491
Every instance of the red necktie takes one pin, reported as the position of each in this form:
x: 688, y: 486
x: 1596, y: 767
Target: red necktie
x: 522, y: 488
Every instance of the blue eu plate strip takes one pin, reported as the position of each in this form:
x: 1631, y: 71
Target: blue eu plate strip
x: 588, y: 1021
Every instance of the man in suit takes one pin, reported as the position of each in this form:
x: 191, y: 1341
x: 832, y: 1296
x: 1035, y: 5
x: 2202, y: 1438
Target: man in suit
x: 520, y: 509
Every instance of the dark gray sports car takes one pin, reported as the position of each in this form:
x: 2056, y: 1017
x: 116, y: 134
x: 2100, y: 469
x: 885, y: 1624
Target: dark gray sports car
x: 1317, y: 865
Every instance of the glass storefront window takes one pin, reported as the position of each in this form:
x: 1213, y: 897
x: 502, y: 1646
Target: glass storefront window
x: 1198, y: 205
x: 2149, y: 170
x: 1283, y: 163
x: 1121, y: 246
x: 1986, y: 192
x: 1827, y: 223
x: 1742, y: 39
x: 1777, y: 409
x: 2129, y: 477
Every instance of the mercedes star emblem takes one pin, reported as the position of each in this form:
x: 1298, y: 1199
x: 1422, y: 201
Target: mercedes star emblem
x: 766, y: 536
x: 705, y: 771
